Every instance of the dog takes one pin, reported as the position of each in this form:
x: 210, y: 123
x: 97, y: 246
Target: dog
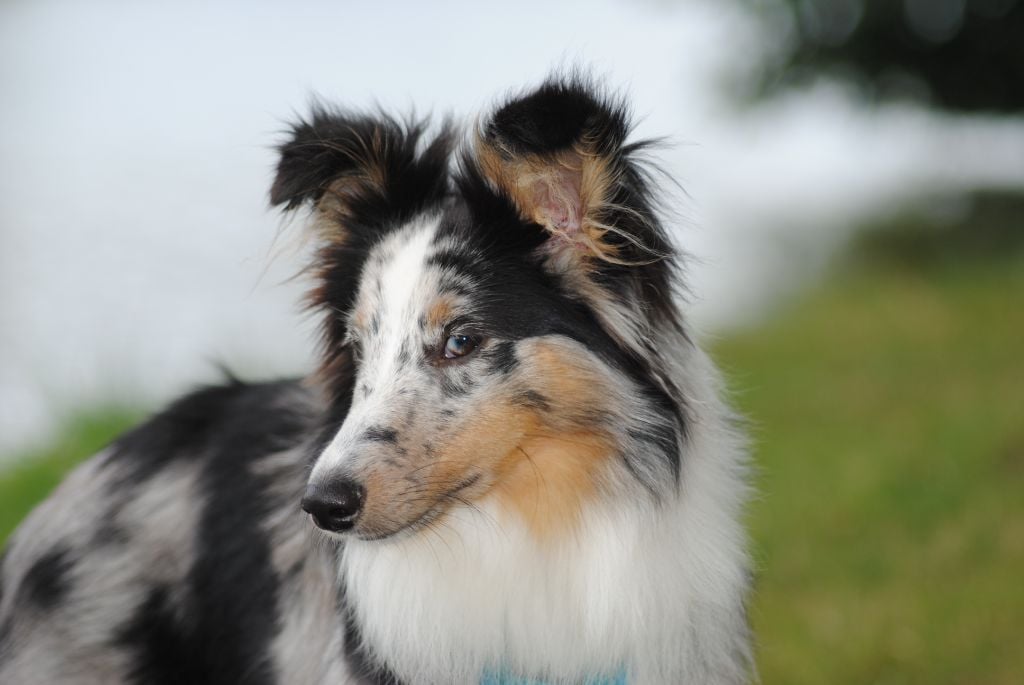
x: 513, y: 464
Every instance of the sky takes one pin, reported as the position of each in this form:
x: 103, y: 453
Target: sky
x: 137, y: 250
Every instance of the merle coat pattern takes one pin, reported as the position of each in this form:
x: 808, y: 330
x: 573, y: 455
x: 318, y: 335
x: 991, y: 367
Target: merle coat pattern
x: 515, y: 461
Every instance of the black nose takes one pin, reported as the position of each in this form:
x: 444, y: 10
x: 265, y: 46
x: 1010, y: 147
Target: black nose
x: 334, y: 505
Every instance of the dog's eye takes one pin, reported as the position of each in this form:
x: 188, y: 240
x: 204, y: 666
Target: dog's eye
x: 459, y: 346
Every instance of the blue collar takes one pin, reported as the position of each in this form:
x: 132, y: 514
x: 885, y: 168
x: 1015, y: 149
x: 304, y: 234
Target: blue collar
x: 503, y: 678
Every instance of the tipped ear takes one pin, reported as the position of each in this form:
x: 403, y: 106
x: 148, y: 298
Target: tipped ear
x: 560, y: 157
x: 373, y: 168
x: 362, y: 175
x: 559, y: 154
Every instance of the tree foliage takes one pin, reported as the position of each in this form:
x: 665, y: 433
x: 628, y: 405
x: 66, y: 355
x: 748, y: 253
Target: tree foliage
x: 962, y: 55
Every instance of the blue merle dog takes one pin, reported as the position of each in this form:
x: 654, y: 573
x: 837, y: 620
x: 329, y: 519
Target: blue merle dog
x: 513, y: 465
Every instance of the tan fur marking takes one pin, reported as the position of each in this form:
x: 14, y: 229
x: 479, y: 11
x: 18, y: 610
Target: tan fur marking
x: 544, y: 464
x: 339, y: 195
x: 471, y: 451
x: 480, y: 444
x: 547, y: 479
x: 379, y: 489
x: 530, y: 180
x: 569, y: 382
x: 540, y: 477
x: 369, y: 159
x: 440, y: 312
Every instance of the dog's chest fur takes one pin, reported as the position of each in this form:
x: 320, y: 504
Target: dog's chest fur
x: 646, y: 592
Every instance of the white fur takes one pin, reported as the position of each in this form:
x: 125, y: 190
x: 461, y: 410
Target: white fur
x: 400, y: 266
x: 656, y: 589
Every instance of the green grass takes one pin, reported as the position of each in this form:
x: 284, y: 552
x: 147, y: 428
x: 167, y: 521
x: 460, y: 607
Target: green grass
x: 887, y: 409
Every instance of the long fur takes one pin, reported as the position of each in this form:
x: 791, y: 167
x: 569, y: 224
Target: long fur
x: 518, y: 463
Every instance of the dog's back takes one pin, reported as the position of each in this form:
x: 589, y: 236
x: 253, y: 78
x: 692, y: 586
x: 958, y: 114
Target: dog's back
x: 178, y: 555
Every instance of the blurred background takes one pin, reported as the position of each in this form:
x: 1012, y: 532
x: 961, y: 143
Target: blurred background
x: 854, y: 207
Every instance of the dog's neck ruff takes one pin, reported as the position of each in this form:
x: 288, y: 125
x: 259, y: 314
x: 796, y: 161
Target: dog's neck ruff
x: 651, y: 593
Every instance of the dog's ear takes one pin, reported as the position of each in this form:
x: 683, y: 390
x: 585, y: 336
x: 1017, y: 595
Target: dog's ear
x: 560, y: 156
x: 365, y: 169
x: 559, y: 153
x: 362, y: 175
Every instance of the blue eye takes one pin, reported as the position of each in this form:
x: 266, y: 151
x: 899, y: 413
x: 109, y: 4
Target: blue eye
x: 459, y: 346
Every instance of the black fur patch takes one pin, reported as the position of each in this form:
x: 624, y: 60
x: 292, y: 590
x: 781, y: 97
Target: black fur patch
x: 380, y: 434
x: 161, y: 646
x: 533, y: 399
x: 110, y: 533
x: 502, y: 357
x: 556, y: 115
x: 197, y: 427
x: 5, y: 638
x: 46, y: 582
x: 458, y: 262
x: 334, y: 144
x: 232, y: 589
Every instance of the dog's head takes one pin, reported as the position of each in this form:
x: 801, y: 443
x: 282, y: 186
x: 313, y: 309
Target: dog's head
x: 493, y: 317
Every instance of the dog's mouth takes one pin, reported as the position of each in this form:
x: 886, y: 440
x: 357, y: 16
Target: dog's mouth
x: 443, y: 503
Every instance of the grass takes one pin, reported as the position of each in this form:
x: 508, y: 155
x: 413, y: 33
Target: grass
x: 888, y: 415
x: 887, y: 408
